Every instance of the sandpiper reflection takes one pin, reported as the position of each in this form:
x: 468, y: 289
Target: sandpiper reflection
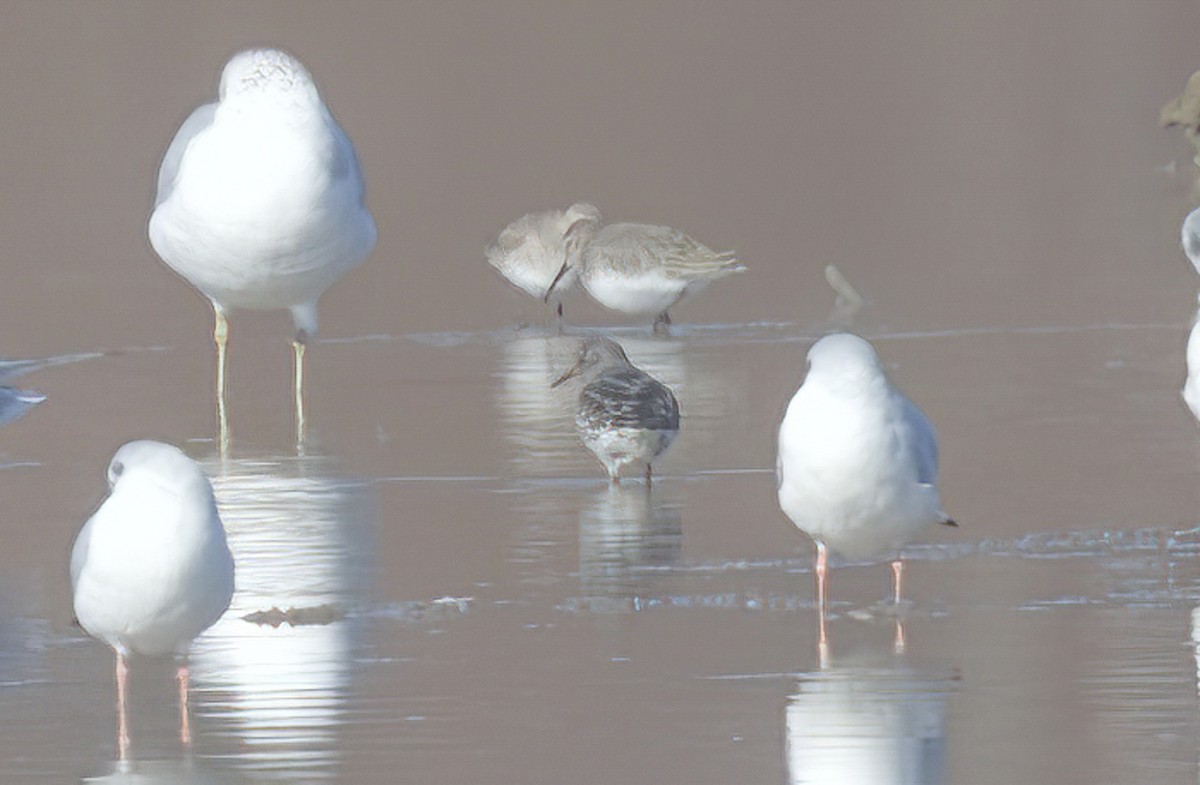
x: 278, y: 665
x: 879, y: 723
x: 627, y: 536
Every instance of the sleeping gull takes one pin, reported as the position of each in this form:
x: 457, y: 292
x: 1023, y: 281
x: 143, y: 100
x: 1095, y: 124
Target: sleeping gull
x: 150, y: 570
x: 624, y: 415
x: 857, y: 462
x: 260, y: 203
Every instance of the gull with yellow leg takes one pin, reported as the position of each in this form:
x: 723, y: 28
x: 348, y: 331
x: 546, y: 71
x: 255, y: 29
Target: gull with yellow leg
x: 260, y: 203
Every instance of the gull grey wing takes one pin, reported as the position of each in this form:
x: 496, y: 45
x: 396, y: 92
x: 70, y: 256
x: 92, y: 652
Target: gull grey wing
x: 197, y: 121
x: 1191, y: 237
x: 79, y: 553
x: 14, y: 403
x: 629, y: 398
x: 344, y: 165
x: 918, y: 434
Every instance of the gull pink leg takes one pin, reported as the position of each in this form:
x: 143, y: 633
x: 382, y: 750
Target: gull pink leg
x: 897, y: 583
x: 822, y: 636
x: 185, y: 725
x: 122, y: 708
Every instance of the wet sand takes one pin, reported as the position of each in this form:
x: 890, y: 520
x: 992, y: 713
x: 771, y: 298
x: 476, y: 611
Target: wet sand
x: 484, y: 608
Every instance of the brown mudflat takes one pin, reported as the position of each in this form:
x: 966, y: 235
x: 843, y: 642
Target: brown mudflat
x: 990, y: 177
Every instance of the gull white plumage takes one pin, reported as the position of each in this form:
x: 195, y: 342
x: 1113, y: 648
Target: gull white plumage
x: 539, y: 252
x: 260, y: 202
x: 857, y: 462
x: 624, y: 415
x: 1191, y: 385
x: 1190, y: 237
x: 646, y: 269
x: 151, y: 569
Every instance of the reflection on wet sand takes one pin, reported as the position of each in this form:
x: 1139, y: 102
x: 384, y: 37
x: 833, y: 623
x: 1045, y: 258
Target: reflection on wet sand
x: 301, y: 537
x: 882, y: 723
x: 161, y: 772
x: 627, y: 535
x: 538, y: 423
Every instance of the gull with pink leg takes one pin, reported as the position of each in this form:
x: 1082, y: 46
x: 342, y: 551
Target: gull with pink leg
x: 857, y: 465
x: 151, y: 570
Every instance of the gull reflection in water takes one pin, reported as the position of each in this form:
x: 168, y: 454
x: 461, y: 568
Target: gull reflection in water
x: 883, y: 724
x: 160, y: 772
x: 278, y: 665
x: 1196, y: 643
x: 627, y: 536
x: 538, y: 421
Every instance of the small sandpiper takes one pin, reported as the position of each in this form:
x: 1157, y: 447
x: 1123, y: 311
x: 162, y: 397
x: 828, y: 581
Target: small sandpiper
x: 539, y: 252
x: 624, y: 415
x: 646, y: 269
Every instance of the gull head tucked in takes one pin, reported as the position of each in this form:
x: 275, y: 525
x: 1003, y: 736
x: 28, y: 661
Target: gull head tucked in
x: 151, y: 569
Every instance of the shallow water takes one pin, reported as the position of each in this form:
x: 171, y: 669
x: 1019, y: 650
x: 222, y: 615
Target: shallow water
x: 443, y: 587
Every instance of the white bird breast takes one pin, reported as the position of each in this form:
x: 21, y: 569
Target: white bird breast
x: 651, y: 291
x: 157, y: 570
x: 1191, y: 386
x: 618, y: 446
x: 848, y: 477
x: 264, y: 211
